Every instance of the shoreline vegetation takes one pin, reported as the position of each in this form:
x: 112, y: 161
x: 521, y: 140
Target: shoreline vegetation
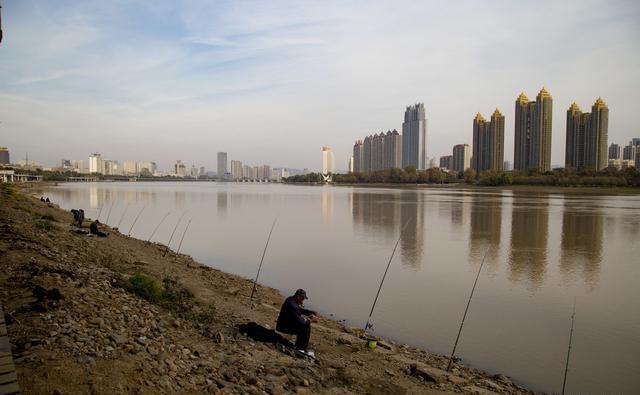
x: 607, y: 178
x: 114, y: 315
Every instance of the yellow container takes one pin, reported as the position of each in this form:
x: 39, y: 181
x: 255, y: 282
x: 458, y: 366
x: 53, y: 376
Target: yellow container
x: 372, y: 343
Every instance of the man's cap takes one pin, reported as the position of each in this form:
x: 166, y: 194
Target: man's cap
x: 301, y: 292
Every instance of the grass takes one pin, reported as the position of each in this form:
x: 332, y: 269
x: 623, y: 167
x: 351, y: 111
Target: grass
x: 170, y: 296
x: 146, y: 287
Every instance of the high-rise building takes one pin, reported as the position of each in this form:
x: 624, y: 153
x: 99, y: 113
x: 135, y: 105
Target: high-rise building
x: 96, y: 163
x: 392, y: 150
x: 488, y: 142
x: 358, y: 156
x: 367, y: 152
x: 327, y: 161
x: 4, y: 156
x: 130, y: 167
x: 179, y: 169
x: 377, y: 152
x: 615, y: 152
x: 236, y: 169
x: 596, y: 138
x: 446, y: 162
x: 507, y: 166
x: 461, y: 157
x: 414, y: 137
x: 638, y: 160
x: 533, y: 121
x: 629, y: 151
x: 586, y: 141
x: 350, y: 164
x: 222, y: 164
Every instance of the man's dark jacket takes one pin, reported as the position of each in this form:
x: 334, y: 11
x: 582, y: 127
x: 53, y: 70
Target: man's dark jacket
x: 290, y: 318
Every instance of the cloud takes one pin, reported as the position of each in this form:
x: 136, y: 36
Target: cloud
x: 258, y: 78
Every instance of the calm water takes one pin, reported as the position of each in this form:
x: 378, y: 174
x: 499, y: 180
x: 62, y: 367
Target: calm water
x: 543, y: 249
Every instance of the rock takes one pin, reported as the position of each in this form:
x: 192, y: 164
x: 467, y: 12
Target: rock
x: 118, y: 339
x: 302, y: 391
x: 232, y: 291
x: 219, y: 338
x: 475, y: 390
x: 503, y: 379
x: 390, y: 373
x: 492, y: 385
x: 305, y: 382
x: 87, y: 360
x: 346, y: 339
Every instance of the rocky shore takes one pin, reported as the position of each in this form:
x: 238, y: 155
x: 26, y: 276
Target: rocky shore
x: 78, y: 325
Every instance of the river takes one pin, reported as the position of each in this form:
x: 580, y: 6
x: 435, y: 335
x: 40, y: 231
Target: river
x: 544, y: 249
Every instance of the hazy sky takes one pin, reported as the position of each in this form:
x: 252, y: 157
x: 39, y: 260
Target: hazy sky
x: 272, y: 82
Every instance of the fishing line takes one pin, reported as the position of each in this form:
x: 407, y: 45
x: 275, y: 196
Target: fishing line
x: 156, y: 228
x: 122, y: 217
x: 566, y: 367
x: 183, y: 234
x: 172, y: 233
x: 136, y: 220
x: 467, y: 309
x: 368, y: 324
x: 255, y: 282
x: 109, y: 214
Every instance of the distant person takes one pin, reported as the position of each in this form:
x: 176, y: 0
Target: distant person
x: 41, y: 199
x: 80, y: 218
x: 93, y: 229
x: 292, y: 321
x: 47, y: 200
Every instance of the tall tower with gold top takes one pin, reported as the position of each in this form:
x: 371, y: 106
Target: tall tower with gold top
x: 488, y: 142
x: 587, y: 137
x: 533, y: 125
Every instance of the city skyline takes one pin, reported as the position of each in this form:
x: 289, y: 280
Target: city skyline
x: 181, y: 83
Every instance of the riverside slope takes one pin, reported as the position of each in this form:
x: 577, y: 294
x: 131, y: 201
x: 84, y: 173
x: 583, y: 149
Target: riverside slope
x: 100, y: 338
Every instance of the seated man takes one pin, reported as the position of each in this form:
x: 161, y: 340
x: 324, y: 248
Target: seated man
x: 292, y: 322
x: 93, y: 228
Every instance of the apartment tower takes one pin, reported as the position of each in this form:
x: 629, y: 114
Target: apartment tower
x: 222, y: 164
x: 392, y: 150
x: 488, y: 142
x: 461, y: 157
x: 533, y: 121
x: 587, y: 134
x: 358, y: 160
x: 414, y: 137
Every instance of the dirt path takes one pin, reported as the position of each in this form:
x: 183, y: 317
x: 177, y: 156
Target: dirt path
x: 95, y: 336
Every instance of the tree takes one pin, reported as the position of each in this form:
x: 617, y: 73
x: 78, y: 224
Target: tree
x: 469, y: 175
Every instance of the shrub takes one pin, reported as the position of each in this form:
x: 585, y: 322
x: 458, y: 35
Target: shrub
x: 146, y: 287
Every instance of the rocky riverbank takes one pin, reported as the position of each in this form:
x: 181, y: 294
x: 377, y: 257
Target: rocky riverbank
x: 79, y: 324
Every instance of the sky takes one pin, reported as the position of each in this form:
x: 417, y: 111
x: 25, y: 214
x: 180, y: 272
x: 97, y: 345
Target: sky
x: 271, y: 82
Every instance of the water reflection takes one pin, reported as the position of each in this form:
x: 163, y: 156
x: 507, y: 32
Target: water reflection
x: 379, y: 215
x: 582, y: 243
x: 486, y: 224
x: 529, y: 237
x: 222, y: 200
x: 327, y: 203
x: 413, y: 237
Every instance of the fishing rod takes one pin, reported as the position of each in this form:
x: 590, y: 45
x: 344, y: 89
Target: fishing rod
x: 566, y: 367
x: 136, y: 220
x: 172, y: 233
x: 122, y: 217
x: 156, y: 228
x: 467, y: 309
x: 255, y: 281
x: 183, y: 234
x: 109, y: 214
x: 368, y: 325
x: 99, y: 212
